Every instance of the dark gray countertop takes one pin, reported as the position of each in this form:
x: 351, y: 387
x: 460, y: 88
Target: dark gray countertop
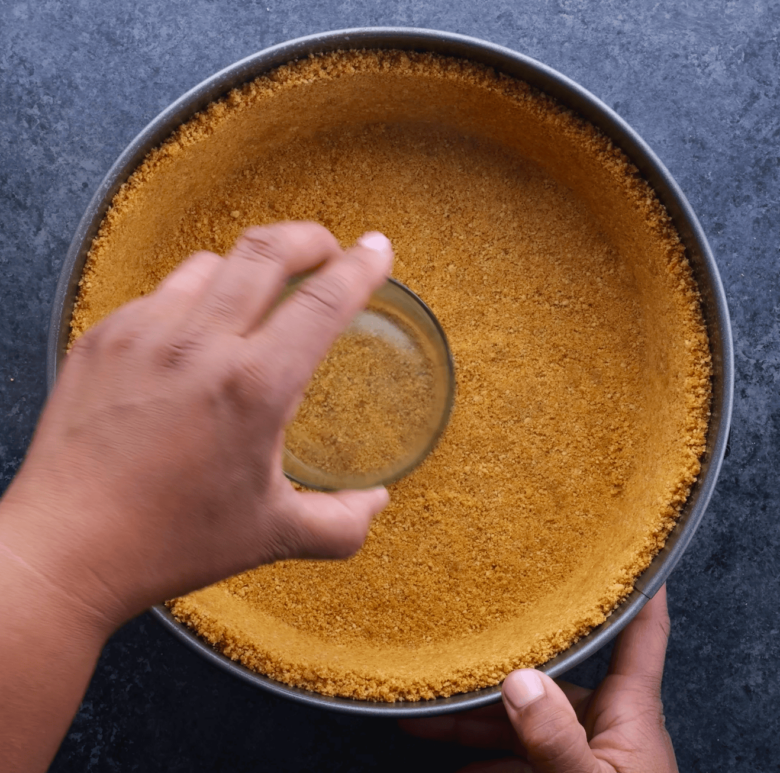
x: 699, y: 80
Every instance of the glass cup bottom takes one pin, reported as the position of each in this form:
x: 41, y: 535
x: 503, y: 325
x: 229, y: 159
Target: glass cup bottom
x: 380, y: 400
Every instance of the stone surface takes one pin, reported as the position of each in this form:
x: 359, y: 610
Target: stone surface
x: 698, y: 79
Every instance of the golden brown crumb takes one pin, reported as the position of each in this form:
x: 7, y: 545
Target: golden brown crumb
x: 582, y: 359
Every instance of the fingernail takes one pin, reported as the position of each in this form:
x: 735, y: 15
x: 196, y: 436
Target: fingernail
x: 522, y: 688
x: 373, y: 240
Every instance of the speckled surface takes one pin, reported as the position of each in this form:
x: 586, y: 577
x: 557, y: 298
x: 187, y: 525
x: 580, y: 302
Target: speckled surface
x: 699, y: 80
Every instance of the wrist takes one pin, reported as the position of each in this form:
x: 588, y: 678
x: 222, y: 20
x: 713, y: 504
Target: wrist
x: 49, y: 646
x: 41, y: 609
x: 44, y: 571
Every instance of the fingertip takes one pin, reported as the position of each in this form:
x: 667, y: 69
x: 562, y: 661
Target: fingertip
x: 658, y: 603
x: 656, y: 611
x: 381, y: 498
x: 366, y: 502
x: 522, y: 688
x: 377, y: 241
x: 379, y: 244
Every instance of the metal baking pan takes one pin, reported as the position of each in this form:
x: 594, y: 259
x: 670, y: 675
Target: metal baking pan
x: 573, y: 96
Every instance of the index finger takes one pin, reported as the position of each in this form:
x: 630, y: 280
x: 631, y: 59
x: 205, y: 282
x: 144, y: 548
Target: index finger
x: 640, y: 650
x: 300, y: 331
x: 247, y: 283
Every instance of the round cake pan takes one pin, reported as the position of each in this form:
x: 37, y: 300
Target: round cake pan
x: 573, y: 96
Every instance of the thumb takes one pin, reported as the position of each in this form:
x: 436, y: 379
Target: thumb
x: 334, y: 525
x: 545, y: 722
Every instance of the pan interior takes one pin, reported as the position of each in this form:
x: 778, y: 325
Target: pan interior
x: 583, y: 365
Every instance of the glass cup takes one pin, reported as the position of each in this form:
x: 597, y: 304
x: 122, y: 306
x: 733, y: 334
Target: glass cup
x: 379, y: 402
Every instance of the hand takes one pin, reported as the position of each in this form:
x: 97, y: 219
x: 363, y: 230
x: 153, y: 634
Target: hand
x: 561, y: 728
x: 156, y: 468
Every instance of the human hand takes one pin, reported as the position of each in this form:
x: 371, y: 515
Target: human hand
x: 156, y: 468
x: 561, y: 728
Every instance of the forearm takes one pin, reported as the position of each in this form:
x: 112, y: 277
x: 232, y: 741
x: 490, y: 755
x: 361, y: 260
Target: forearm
x: 48, y: 650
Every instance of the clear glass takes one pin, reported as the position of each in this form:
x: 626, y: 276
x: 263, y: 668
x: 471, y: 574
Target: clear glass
x: 379, y: 403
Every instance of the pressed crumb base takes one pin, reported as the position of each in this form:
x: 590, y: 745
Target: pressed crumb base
x: 582, y: 359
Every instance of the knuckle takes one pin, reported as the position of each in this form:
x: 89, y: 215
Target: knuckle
x: 266, y: 244
x: 649, y: 684
x: 221, y: 305
x: 122, y: 337
x: 551, y: 733
x: 87, y: 343
x: 352, y: 535
x: 177, y: 352
x: 125, y: 330
x: 562, y: 746
x: 285, y: 540
x: 250, y: 385
x: 325, y: 297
